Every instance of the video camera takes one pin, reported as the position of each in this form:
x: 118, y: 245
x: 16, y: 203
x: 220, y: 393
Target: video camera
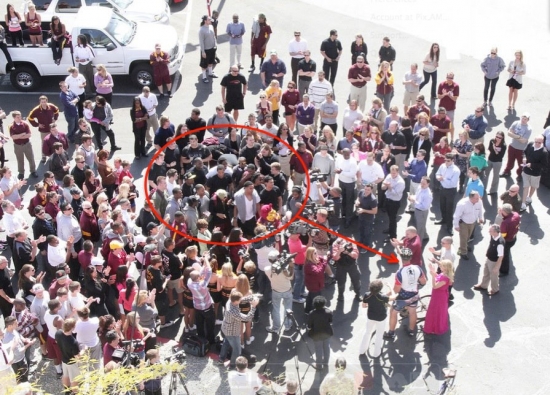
x: 124, y: 356
x: 282, y: 262
x: 303, y: 228
x: 348, y: 246
x: 316, y: 175
x: 245, y: 256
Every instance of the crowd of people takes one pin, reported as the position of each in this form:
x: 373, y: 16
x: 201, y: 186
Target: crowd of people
x: 96, y: 262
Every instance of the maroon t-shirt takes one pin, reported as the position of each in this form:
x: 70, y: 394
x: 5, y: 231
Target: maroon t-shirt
x: 290, y: 98
x: 415, y: 244
x: 444, y: 123
x: 355, y: 71
x: 447, y: 103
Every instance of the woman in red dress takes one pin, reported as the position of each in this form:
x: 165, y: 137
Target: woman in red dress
x: 437, y: 316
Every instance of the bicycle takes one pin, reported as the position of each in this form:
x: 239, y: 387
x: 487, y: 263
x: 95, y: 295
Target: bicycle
x: 421, y: 308
x: 447, y: 387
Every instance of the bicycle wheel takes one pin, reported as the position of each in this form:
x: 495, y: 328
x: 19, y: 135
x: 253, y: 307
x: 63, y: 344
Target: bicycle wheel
x: 422, y: 307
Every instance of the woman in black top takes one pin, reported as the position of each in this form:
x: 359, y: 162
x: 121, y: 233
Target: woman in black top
x: 233, y: 142
x: 319, y: 323
x: 425, y: 144
x: 358, y: 47
x: 57, y: 31
x: 497, y: 149
x: 219, y: 209
x: 221, y: 252
x: 139, y: 116
x: 377, y: 311
x: 386, y: 159
x: 95, y: 287
x: 27, y: 281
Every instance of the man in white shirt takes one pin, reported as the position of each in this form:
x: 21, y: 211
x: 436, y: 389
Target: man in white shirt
x: 469, y: 210
x: 346, y: 168
x: 317, y: 92
x: 370, y: 172
x: 296, y: 49
x: 150, y: 103
x: 325, y: 163
x: 394, y: 186
x: 7, y: 376
x: 58, y: 253
x: 422, y: 202
x: 412, y: 81
x: 243, y: 381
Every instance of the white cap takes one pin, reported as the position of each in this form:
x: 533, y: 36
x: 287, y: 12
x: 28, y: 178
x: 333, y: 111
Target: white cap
x: 140, y: 239
x: 97, y: 261
x: 273, y: 255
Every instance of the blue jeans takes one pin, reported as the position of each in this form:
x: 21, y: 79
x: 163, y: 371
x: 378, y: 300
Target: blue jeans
x: 72, y: 126
x: 365, y: 230
x: 299, y: 287
x: 235, y: 343
x: 322, y: 351
x: 276, y: 298
x: 264, y: 286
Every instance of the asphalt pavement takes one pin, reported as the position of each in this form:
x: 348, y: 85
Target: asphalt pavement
x: 498, y: 344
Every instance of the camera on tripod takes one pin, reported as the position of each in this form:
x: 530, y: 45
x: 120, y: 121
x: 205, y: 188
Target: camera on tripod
x: 302, y: 228
x: 178, y: 355
x: 124, y: 356
x: 282, y: 262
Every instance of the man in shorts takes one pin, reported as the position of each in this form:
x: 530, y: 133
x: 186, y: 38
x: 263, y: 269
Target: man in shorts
x: 233, y: 91
x: 407, y: 279
x: 208, y: 44
x: 159, y: 62
x: 261, y: 32
x: 536, y: 159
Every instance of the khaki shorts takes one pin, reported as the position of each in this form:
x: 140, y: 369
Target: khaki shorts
x: 409, y: 99
x: 71, y: 371
x: 175, y: 284
x: 530, y: 181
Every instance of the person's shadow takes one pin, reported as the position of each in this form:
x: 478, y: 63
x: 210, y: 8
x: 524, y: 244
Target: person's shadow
x: 497, y: 309
x: 492, y: 120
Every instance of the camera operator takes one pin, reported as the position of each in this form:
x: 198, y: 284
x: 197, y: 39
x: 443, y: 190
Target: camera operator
x: 282, y: 290
x: 263, y: 249
x: 345, y: 255
x: 152, y: 386
x: 318, y: 187
x: 295, y: 245
x: 295, y: 200
x: 322, y: 238
x: 333, y: 203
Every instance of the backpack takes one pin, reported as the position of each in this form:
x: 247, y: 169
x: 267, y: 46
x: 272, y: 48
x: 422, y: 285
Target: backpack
x: 214, y: 146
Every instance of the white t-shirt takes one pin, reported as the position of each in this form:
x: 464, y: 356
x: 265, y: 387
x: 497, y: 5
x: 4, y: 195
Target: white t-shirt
x: 262, y: 254
x: 297, y: 46
x: 57, y: 255
x: 370, y: 173
x: 149, y: 102
x: 249, y: 208
x: 86, y: 332
x: 243, y: 383
x: 49, y: 319
x: 73, y: 83
x: 77, y: 302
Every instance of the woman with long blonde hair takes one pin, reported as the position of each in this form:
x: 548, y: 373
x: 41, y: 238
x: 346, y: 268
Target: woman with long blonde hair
x: 517, y: 70
x: 213, y: 288
x: 226, y: 282
x: 384, y: 84
x: 243, y: 286
x: 147, y: 313
x: 132, y: 330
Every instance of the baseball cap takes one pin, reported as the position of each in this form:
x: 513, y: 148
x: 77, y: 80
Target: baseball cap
x: 273, y: 52
x: 140, y: 239
x: 151, y: 226
x: 37, y: 288
x: 273, y: 255
x: 526, y: 115
x: 96, y: 261
x: 75, y: 191
x: 115, y: 244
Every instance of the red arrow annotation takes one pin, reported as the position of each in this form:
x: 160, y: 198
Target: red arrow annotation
x: 392, y: 258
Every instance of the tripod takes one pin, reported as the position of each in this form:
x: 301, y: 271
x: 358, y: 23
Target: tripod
x: 174, y: 383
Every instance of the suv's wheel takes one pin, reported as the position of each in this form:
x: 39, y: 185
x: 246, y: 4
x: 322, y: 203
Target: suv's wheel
x: 25, y: 78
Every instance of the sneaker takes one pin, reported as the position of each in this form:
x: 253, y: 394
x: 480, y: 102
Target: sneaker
x: 411, y: 333
x: 271, y: 329
x: 301, y: 300
x: 523, y: 207
x: 490, y: 104
x: 205, y: 80
x: 528, y: 200
x: 305, y: 294
x: 186, y: 329
x: 115, y: 148
x: 390, y: 335
x: 213, y: 75
x: 249, y: 341
x: 252, y: 68
x: 166, y: 324
x: 59, y: 375
x: 219, y: 322
x: 193, y: 328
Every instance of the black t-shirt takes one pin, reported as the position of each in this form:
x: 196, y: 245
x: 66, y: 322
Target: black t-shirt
x: 367, y: 203
x: 174, y: 264
x: 331, y: 48
x: 5, y: 285
x: 237, y: 175
x: 200, y: 174
x: 397, y: 139
x: 157, y: 171
x: 271, y: 197
x: 335, y: 215
x: 193, y: 125
x: 377, y: 310
x: 215, y: 183
x: 172, y: 155
x: 190, y: 153
x: 265, y: 163
x: 250, y: 153
x: 68, y: 346
x: 280, y: 182
x: 307, y: 67
x: 234, y: 85
x: 155, y: 279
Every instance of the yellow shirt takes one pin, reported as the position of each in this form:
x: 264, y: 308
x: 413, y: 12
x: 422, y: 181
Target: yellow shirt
x: 274, y: 96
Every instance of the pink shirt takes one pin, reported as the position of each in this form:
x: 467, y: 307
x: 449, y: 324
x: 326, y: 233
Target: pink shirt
x: 300, y: 248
